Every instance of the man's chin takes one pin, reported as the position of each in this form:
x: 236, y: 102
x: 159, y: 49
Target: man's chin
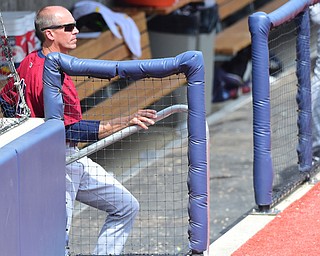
x: 73, y: 46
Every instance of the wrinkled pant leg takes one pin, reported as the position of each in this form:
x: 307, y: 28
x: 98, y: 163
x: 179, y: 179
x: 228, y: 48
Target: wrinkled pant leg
x: 74, y: 172
x: 315, y: 89
x: 101, y: 190
x: 315, y: 93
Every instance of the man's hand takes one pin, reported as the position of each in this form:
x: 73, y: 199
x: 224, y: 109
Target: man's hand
x: 143, y: 118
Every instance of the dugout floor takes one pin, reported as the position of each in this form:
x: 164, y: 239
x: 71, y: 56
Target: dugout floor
x: 292, y: 230
x: 231, y: 190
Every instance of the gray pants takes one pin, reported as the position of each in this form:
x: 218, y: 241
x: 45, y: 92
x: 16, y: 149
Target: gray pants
x: 89, y: 183
x: 315, y: 83
x: 315, y: 91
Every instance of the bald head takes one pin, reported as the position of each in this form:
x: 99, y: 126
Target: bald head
x: 49, y: 16
x: 55, y: 27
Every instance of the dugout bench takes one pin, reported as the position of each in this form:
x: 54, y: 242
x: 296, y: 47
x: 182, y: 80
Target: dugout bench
x: 108, y: 47
x: 235, y: 35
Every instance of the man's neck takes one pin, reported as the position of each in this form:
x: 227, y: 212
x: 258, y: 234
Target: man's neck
x: 47, y: 50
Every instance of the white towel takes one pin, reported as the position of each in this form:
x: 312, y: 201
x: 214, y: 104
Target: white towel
x: 130, y: 31
x: 315, y: 13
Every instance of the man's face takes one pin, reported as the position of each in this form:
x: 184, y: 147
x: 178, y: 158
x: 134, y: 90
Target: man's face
x: 65, y: 32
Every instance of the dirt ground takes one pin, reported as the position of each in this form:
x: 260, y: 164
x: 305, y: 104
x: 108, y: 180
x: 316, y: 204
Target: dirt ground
x: 231, y: 152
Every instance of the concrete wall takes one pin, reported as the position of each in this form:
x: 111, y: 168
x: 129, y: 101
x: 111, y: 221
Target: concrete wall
x: 32, y: 192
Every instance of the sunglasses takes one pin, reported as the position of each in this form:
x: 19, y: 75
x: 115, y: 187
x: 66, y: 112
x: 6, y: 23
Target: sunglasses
x: 67, y: 27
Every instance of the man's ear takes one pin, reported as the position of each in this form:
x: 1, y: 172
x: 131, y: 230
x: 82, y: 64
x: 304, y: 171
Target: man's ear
x: 48, y: 34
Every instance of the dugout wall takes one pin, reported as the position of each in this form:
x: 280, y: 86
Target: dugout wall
x: 32, y: 191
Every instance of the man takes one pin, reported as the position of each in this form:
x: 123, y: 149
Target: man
x: 86, y: 181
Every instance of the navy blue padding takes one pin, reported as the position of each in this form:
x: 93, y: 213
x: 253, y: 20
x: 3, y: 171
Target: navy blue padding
x: 260, y: 25
x: 32, y: 182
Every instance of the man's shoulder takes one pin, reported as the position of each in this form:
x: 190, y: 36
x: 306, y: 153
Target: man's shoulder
x: 35, y: 56
x: 31, y: 60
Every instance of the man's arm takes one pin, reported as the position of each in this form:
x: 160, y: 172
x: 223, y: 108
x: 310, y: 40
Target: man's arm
x: 91, y: 131
x: 83, y: 131
x: 142, y: 118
